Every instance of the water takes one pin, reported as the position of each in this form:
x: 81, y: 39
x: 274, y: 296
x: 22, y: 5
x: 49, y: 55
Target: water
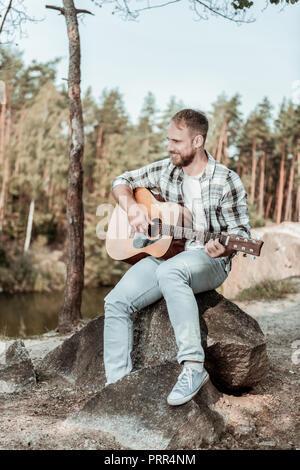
x: 24, y: 315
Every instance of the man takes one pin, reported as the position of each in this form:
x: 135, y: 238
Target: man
x: 217, y: 199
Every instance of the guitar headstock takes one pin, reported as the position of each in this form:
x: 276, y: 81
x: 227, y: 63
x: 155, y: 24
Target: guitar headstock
x: 250, y: 246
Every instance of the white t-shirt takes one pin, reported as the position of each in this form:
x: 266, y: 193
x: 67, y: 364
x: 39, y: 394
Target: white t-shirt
x: 193, y: 201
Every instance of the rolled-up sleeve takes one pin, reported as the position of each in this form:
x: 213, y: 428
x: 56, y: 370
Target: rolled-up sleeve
x: 146, y: 177
x: 234, y: 206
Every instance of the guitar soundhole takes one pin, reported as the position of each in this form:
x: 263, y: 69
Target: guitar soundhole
x: 155, y: 229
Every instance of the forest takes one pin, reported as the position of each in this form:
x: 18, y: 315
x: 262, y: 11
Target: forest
x: 83, y: 369
x: 262, y: 147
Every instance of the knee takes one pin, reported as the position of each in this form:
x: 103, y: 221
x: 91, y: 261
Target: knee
x: 169, y: 274
x: 118, y: 302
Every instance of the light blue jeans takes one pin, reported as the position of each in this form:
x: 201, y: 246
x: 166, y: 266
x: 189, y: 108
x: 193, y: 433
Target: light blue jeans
x: 150, y: 279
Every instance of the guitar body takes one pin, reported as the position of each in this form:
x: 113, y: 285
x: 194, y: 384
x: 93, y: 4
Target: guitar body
x: 122, y: 243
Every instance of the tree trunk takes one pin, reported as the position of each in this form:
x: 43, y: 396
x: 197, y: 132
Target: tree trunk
x: 262, y: 184
x: 2, y: 131
x: 99, y: 142
x: 225, y: 145
x: 91, y: 176
x: 18, y: 143
x: 288, y: 206
x: 221, y: 139
x: 29, y: 226
x: 51, y: 194
x: 297, y: 218
x: 70, y: 314
x: 6, y: 171
x: 99, y: 145
x: 104, y: 171
x: 280, y: 186
x: 214, y: 150
x: 253, y: 173
x: 243, y: 167
x: 268, y: 208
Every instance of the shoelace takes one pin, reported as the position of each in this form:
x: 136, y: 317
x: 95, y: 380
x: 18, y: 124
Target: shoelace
x: 186, y: 377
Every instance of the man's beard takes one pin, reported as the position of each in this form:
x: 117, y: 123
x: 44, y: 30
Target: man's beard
x: 180, y: 160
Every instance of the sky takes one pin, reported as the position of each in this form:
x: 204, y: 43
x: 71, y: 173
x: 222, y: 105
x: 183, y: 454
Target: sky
x: 169, y: 53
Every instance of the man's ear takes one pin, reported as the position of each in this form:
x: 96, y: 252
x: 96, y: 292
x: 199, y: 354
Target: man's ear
x: 198, y: 141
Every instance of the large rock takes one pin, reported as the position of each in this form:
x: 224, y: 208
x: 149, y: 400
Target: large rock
x: 279, y: 259
x: 235, y: 347
x: 79, y: 359
x: 135, y: 413
x: 16, y: 369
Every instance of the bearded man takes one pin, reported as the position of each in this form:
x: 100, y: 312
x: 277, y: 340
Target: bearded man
x: 216, y: 197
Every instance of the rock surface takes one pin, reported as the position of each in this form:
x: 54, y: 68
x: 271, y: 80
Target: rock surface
x: 16, y: 369
x: 235, y: 347
x: 264, y: 417
x: 279, y: 258
x: 135, y: 413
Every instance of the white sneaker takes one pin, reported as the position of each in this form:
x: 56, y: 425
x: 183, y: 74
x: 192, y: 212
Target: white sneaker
x: 188, y: 384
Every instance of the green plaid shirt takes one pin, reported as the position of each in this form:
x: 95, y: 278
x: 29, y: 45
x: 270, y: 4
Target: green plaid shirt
x: 224, y: 197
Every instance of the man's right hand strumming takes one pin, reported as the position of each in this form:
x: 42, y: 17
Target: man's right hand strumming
x: 137, y: 217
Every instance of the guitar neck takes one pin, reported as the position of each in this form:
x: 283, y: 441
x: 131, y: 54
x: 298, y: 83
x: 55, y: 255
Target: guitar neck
x: 233, y: 241
x: 190, y: 234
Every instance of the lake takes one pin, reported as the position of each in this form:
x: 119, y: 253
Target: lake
x: 24, y: 315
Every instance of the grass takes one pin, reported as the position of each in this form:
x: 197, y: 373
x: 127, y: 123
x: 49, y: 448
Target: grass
x: 268, y: 290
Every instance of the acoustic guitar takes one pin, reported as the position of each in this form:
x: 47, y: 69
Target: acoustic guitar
x: 171, y: 226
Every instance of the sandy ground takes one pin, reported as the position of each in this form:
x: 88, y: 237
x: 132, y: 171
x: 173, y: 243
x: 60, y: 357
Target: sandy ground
x: 264, y: 418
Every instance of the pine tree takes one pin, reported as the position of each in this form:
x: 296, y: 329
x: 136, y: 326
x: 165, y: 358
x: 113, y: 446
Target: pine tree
x: 147, y: 130
x: 253, y: 144
x: 285, y: 140
x: 225, y: 123
x: 164, y: 120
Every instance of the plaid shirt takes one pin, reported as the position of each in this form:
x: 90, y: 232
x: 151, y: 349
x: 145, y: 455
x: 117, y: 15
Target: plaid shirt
x: 224, y: 198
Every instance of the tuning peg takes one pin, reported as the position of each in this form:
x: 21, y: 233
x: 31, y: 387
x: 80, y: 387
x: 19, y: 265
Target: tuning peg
x: 253, y: 256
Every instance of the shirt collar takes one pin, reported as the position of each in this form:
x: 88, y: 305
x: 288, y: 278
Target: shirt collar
x: 210, y: 167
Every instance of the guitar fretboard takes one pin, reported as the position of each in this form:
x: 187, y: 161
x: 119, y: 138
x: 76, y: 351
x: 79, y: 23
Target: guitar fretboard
x: 190, y: 234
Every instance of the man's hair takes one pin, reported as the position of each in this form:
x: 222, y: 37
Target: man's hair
x: 196, y: 121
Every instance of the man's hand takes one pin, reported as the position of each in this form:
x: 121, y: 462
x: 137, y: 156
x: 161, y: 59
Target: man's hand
x: 138, y: 218
x: 215, y: 249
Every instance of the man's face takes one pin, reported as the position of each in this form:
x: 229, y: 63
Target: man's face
x: 180, y: 145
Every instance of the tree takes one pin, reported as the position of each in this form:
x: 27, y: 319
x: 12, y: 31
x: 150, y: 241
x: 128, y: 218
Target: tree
x: 70, y: 314
x: 5, y: 140
x: 253, y: 145
x: 113, y: 121
x: 296, y: 142
x: 225, y: 125
x: 13, y: 14
x: 40, y: 151
x: 293, y: 137
x: 173, y: 106
x: 265, y: 144
x: 148, y: 133
x: 285, y: 135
